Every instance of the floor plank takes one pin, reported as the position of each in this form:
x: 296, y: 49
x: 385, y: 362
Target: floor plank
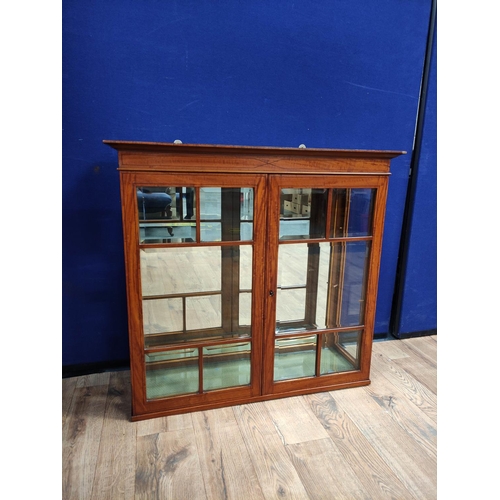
x: 425, y: 347
x: 168, y: 467
x: 392, y: 349
x: 164, y: 424
x: 404, y: 412
x: 324, y: 472
x: 68, y: 389
x: 416, y: 391
x: 115, y: 471
x: 411, y: 464
x: 275, y: 471
x: 226, y: 465
x: 376, y: 476
x: 81, y: 438
x: 294, y: 420
x: 93, y: 379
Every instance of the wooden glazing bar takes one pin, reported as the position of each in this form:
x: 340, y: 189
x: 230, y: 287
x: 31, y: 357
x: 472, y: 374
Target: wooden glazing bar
x: 317, y: 368
x: 184, y: 318
x: 200, y: 370
x: 308, y: 333
x: 327, y: 240
x: 179, y: 295
x: 329, y: 209
x: 312, y: 282
x: 198, y: 343
x: 198, y: 214
x: 144, y: 246
x: 199, y: 334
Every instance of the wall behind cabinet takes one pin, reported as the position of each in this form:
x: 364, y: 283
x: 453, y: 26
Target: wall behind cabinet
x: 333, y: 74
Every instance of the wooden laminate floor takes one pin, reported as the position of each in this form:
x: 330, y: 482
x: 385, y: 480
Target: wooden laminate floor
x: 373, y: 442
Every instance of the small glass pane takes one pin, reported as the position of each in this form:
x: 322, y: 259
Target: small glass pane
x: 295, y: 358
x: 226, y: 366
x: 290, y: 310
x: 246, y: 212
x: 162, y: 315
x: 203, y: 312
x: 172, y: 373
x: 245, y: 309
x: 292, y: 265
x: 354, y: 283
x: 245, y: 267
x: 352, y: 212
x: 210, y: 231
x: 210, y: 203
x: 226, y: 214
x: 158, y: 204
x: 302, y: 213
x: 340, y: 352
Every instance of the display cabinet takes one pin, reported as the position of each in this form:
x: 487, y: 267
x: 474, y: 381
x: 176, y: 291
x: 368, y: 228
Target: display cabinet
x: 251, y: 272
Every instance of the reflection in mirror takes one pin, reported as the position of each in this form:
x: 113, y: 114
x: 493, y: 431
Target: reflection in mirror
x: 339, y: 352
x: 321, y: 285
x: 353, y: 262
x: 195, y: 293
x: 224, y: 212
x: 302, y: 213
x: 352, y: 212
x: 226, y: 365
x: 295, y: 358
x: 158, y: 204
x: 203, y: 312
x: 171, y: 373
x: 162, y: 315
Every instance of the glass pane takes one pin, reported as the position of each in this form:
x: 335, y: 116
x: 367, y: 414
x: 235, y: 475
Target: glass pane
x: 290, y: 310
x: 354, y: 283
x: 302, y: 286
x: 171, y: 373
x: 292, y: 265
x: 321, y: 285
x: 245, y: 309
x: 210, y: 231
x: 295, y: 358
x: 162, y: 315
x: 340, y: 352
x: 158, y: 204
x: 210, y: 203
x: 226, y: 366
x: 223, y: 211
x: 352, y: 212
x: 302, y: 213
x: 246, y: 212
x: 196, y: 293
x: 203, y: 312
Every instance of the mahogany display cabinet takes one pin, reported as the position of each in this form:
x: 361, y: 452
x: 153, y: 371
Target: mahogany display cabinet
x: 251, y: 272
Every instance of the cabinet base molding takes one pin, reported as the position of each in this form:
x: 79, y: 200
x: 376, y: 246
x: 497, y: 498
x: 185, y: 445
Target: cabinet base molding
x: 258, y: 399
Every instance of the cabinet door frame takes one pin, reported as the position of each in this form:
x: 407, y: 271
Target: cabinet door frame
x: 316, y: 383
x: 130, y: 181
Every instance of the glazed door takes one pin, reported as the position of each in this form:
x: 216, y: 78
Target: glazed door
x: 195, y: 261
x: 323, y: 246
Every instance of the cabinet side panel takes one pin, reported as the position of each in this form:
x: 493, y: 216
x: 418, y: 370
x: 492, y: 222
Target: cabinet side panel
x: 133, y: 283
x: 373, y: 276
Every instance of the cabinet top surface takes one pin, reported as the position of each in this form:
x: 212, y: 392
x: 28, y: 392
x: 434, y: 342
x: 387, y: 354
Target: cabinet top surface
x: 169, y: 148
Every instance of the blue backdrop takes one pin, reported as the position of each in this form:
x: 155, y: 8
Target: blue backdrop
x: 326, y: 73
